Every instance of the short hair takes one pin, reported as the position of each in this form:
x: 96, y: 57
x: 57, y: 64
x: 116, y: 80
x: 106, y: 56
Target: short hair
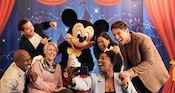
x: 19, y: 54
x: 21, y: 22
x: 119, y: 24
x: 116, y: 60
x: 53, y: 44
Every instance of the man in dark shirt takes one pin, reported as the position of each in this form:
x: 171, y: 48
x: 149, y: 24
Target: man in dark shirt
x: 33, y: 39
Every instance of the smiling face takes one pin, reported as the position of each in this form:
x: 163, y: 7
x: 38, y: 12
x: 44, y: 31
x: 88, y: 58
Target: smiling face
x: 121, y: 35
x: 104, y: 63
x: 28, y: 30
x: 50, y: 51
x: 22, y: 59
x: 81, y: 36
x: 103, y: 43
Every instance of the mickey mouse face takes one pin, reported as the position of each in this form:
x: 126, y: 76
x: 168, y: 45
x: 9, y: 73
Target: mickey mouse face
x: 81, y: 36
x: 81, y: 32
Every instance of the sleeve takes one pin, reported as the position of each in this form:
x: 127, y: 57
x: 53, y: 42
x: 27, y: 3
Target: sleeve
x: 39, y: 28
x: 39, y: 50
x: 131, y: 88
x: 42, y: 26
x: 6, y: 86
x: 87, y: 60
x: 82, y: 84
x: 146, y: 50
x: 96, y: 51
x: 39, y: 83
x: 60, y: 81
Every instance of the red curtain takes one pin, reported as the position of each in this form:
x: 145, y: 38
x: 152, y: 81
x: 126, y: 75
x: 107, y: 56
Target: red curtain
x: 6, y: 6
x: 162, y: 13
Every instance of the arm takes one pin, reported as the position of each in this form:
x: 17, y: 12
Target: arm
x: 146, y: 57
x: 39, y: 83
x: 45, y: 25
x: 130, y: 88
x: 87, y: 59
x: 81, y: 84
x: 7, y: 85
x: 60, y: 81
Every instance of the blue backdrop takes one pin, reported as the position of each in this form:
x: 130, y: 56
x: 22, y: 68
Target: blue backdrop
x: 133, y: 12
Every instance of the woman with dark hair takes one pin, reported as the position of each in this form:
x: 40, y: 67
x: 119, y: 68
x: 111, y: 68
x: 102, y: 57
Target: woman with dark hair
x: 107, y: 81
x: 103, y: 42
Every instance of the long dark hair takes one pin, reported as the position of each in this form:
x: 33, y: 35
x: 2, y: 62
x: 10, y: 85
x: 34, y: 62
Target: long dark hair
x: 105, y: 35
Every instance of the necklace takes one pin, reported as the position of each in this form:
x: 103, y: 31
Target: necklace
x: 48, y: 67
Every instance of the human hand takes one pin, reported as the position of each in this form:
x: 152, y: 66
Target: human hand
x: 32, y: 75
x: 123, y: 76
x: 116, y: 49
x: 73, y: 61
x: 72, y: 74
x: 59, y: 89
x: 53, y: 25
x: 45, y: 40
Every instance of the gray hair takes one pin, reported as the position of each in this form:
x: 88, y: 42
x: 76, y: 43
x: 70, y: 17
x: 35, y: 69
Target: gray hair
x: 51, y: 43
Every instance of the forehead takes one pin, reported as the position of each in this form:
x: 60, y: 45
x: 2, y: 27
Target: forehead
x: 50, y: 47
x: 100, y: 38
x: 25, y: 56
x: 115, y: 30
x: 104, y: 55
x: 88, y: 29
x: 27, y: 24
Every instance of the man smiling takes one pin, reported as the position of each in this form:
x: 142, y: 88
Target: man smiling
x: 143, y: 62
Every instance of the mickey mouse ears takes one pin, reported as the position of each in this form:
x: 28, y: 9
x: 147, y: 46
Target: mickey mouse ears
x: 68, y: 17
x: 101, y: 25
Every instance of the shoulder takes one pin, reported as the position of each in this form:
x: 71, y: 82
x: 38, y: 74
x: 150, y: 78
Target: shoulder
x: 64, y: 44
x: 58, y: 66
x: 139, y: 35
x: 37, y: 59
x: 10, y: 74
x: 23, y: 39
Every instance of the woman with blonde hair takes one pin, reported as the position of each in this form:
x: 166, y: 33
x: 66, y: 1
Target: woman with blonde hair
x: 49, y: 78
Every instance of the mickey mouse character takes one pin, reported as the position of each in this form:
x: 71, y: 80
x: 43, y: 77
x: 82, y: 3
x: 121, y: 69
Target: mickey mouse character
x: 79, y: 38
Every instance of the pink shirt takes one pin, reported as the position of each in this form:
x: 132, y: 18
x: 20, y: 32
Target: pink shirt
x: 46, y: 81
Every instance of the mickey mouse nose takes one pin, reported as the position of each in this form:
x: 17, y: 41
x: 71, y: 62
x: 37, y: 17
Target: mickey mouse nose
x: 81, y: 39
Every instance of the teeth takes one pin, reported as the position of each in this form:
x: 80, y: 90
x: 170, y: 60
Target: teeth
x: 119, y: 40
x: 100, y: 64
x: 102, y: 47
x: 28, y: 66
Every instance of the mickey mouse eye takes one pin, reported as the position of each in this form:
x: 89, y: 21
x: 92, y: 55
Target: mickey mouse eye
x: 78, y: 34
x: 86, y: 35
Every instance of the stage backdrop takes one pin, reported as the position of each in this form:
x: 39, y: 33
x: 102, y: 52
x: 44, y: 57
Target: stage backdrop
x: 134, y: 12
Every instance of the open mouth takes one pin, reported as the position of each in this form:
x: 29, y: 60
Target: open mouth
x: 102, y: 47
x: 77, y: 48
x: 119, y: 40
x: 28, y: 66
x: 100, y: 64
